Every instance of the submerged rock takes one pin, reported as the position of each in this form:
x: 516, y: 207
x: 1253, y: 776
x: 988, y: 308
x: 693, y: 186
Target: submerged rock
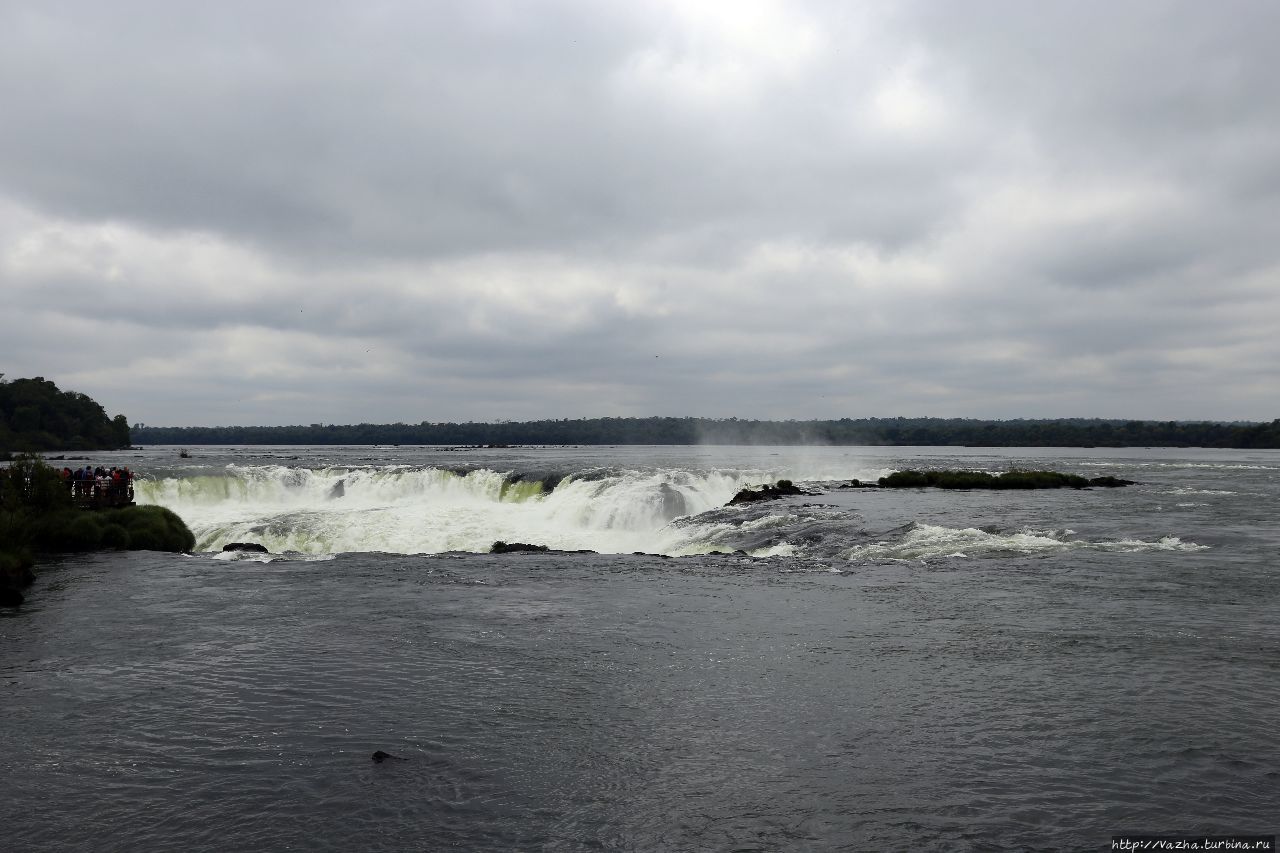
x: 1109, y: 482
x: 246, y: 546
x: 381, y: 756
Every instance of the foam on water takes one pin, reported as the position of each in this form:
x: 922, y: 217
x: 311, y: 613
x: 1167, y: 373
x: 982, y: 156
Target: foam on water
x: 925, y: 541
x: 1218, y: 466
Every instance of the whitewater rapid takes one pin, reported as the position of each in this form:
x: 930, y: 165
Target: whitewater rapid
x: 408, y: 509
x: 411, y: 510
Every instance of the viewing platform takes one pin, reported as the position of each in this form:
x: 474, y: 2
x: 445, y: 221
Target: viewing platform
x: 101, y: 493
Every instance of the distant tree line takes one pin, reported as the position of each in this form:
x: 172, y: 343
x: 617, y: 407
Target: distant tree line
x: 1066, y: 432
x: 35, y: 415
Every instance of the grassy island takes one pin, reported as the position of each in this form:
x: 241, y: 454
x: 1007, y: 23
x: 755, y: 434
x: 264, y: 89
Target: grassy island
x: 1008, y: 480
x: 38, y: 516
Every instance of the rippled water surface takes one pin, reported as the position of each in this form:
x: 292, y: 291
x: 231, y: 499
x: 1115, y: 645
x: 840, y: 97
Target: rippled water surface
x: 959, y: 671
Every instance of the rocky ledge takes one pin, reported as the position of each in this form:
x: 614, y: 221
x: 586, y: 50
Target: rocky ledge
x: 783, y: 489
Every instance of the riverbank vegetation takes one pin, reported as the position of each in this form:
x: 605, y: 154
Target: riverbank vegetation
x: 1067, y: 432
x: 38, y: 516
x: 36, y: 415
x: 984, y: 480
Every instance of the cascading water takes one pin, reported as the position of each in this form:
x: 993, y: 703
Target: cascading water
x: 410, y: 509
x: 402, y: 509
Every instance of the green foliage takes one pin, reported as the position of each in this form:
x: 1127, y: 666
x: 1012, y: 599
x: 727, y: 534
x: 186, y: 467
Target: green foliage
x: 30, y: 484
x: 13, y: 565
x: 115, y: 537
x: 152, y: 528
x: 72, y: 531
x: 962, y: 480
x: 37, y: 515
x: 1041, y: 480
x: 905, y: 480
x: 982, y: 480
x: 136, y: 528
x: 35, y: 415
x: 1065, y: 432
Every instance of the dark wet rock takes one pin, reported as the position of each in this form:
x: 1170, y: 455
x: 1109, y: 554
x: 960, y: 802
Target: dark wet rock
x: 1109, y: 482
x: 516, y: 547
x: 381, y: 756
x: 673, y: 502
x: 253, y: 547
x: 783, y: 489
x: 15, y: 573
x: 339, y: 490
x: 513, y: 547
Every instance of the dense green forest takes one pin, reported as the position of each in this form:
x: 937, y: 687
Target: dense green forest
x: 1073, y: 432
x: 35, y: 415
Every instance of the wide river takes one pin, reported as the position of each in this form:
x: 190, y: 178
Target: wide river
x: 858, y: 669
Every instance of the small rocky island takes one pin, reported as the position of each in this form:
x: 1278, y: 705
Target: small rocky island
x: 950, y: 479
x: 943, y: 479
x: 783, y: 489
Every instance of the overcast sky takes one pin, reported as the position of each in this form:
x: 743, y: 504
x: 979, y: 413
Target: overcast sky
x: 296, y: 212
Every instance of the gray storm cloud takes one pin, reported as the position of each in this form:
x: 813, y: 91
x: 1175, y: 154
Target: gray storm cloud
x: 295, y: 212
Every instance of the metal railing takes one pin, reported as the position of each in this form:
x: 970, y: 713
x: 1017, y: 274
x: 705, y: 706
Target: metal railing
x: 101, y: 492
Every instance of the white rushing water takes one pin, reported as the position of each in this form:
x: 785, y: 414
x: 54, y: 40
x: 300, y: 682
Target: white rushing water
x: 404, y: 509
x: 407, y: 509
x: 925, y: 541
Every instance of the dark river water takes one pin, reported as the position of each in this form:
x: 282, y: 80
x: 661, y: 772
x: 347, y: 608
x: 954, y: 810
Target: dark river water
x: 855, y: 670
